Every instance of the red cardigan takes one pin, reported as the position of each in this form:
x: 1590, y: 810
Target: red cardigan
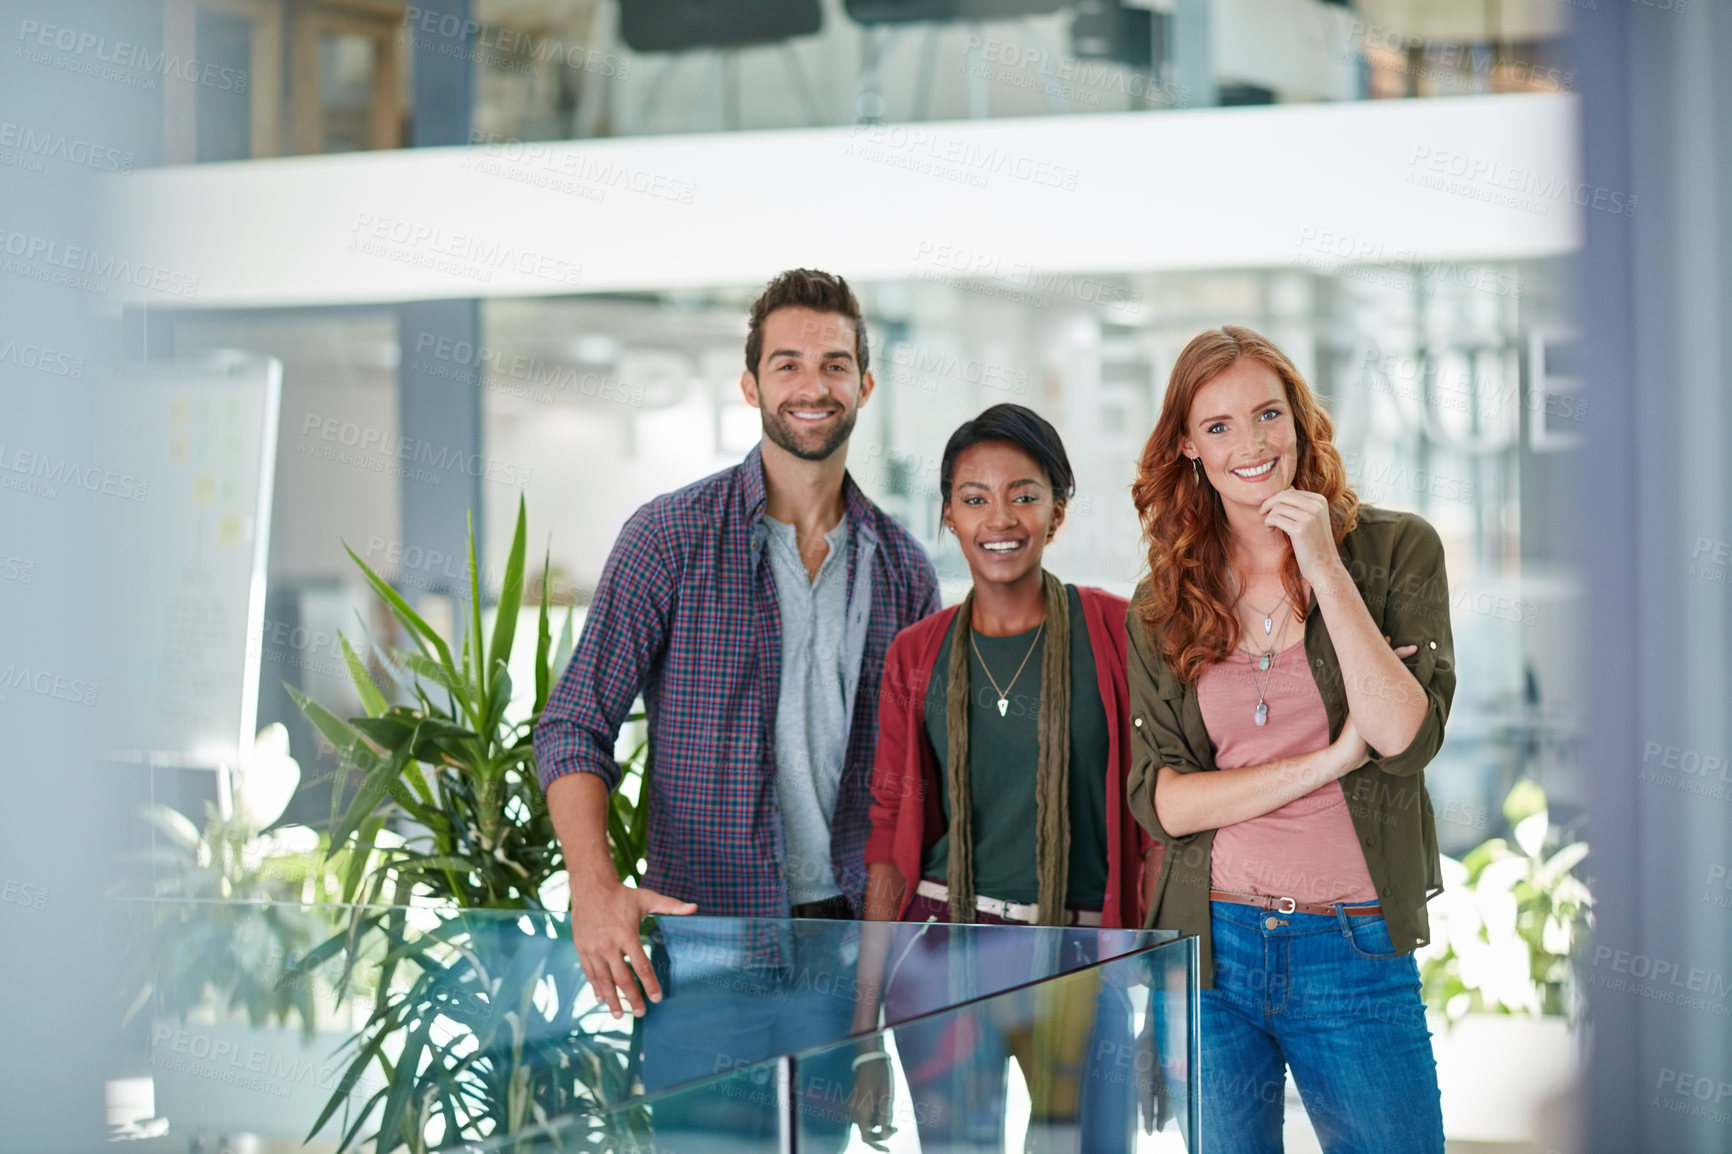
x: 907, y: 813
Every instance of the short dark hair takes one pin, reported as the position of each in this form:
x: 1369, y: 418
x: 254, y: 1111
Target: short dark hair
x: 805, y: 288
x: 1019, y: 426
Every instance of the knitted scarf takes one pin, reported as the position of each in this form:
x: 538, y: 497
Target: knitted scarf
x: 1052, y: 775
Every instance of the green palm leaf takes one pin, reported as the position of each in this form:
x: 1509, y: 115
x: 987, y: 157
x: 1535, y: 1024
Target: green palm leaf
x: 455, y: 761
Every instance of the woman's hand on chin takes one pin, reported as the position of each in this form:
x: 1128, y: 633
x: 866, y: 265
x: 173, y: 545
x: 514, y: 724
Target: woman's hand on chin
x: 1304, y: 517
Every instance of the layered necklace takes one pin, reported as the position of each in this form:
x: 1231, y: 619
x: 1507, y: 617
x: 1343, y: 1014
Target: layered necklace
x: 1265, y: 663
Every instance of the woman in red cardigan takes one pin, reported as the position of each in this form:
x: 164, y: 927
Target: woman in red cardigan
x: 998, y: 790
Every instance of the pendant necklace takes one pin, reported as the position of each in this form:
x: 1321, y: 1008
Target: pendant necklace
x: 1269, y: 618
x: 1004, y: 694
x: 1266, y: 659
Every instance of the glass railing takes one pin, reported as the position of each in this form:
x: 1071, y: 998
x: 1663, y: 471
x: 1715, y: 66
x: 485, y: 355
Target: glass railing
x: 747, y: 1110
x: 1096, y: 1059
x: 437, y: 1028
x: 1093, y: 1059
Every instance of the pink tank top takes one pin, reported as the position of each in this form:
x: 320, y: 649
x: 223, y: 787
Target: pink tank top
x: 1306, y: 850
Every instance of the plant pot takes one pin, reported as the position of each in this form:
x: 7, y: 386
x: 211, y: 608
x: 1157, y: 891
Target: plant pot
x: 1500, y: 1072
x: 233, y: 1078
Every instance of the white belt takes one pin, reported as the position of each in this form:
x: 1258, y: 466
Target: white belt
x: 1010, y: 911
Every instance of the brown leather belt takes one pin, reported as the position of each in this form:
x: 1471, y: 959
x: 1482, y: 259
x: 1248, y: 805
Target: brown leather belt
x: 1289, y: 906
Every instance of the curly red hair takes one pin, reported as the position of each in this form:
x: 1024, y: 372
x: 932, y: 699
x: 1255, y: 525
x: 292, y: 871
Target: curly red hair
x: 1189, y: 610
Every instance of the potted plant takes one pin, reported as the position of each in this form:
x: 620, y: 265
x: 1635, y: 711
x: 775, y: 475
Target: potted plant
x: 1499, y: 973
x: 225, y: 932
x: 214, y: 958
x: 477, y: 1024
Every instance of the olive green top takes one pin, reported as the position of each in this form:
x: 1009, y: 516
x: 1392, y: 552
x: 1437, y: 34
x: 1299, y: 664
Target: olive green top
x: 1003, y: 761
x: 1396, y: 562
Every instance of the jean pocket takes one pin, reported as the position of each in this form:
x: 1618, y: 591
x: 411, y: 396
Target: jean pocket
x: 1369, y: 937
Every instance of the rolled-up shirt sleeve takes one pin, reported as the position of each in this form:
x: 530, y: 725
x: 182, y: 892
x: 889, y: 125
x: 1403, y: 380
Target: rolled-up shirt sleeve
x: 1158, y: 738
x: 624, y: 635
x: 1416, y: 612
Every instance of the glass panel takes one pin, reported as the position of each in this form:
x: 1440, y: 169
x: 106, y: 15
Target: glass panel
x: 251, y: 1018
x: 254, y: 1018
x: 742, y: 1112
x: 738, y: 991
x: 1095, y: 1059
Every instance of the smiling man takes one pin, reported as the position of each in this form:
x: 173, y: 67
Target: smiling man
x: 752, y: 610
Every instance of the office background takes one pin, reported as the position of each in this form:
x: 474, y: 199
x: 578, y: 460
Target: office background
x: 504, y: 250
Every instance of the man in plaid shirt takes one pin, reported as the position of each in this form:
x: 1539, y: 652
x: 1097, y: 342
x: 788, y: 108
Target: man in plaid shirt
x: 752, y: 610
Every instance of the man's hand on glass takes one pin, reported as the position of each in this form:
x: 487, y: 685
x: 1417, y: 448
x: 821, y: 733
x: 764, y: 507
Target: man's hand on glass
x: 604, y: 926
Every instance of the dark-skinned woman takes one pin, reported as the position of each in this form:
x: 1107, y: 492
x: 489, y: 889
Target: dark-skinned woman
x: 998, y: 792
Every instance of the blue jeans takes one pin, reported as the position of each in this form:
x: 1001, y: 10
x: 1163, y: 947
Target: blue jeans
x: 1330, y: 997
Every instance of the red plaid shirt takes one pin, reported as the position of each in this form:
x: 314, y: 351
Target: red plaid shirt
x: 686, y: 613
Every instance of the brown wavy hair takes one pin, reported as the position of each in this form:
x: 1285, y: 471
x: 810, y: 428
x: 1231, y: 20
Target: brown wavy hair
x: 809, y: 288
x: 1189, y: 609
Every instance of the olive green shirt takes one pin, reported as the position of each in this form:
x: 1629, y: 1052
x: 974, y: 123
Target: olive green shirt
x: 1396, y: 562
x: 1004, y: 756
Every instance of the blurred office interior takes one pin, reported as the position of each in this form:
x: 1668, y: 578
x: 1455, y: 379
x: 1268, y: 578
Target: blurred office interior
x: 1446, y: 358
x: 524, y: 234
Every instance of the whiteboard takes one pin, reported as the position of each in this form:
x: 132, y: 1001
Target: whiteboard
x: 194, y: 443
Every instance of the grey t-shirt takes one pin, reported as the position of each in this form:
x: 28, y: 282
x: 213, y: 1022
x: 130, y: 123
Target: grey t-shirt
x: 819, y: 664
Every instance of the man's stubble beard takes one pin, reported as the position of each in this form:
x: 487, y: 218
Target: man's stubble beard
x: 778, y: 430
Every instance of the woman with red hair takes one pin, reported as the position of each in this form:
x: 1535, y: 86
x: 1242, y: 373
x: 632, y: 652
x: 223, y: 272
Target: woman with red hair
x: 1290, y: 673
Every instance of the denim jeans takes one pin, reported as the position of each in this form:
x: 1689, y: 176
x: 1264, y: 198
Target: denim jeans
x: 1330, y: 997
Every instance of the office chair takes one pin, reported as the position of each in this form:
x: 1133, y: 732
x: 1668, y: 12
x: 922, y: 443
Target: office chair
x: 723, y: 27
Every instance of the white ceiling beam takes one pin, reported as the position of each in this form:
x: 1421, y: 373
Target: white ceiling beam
x: 1470, y: 178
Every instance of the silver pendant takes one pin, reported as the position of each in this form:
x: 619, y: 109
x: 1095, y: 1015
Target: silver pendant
x: 1262, y: 717
x: 1268, y: 625
x: 1263, y: 661
x: 1004, y: 704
